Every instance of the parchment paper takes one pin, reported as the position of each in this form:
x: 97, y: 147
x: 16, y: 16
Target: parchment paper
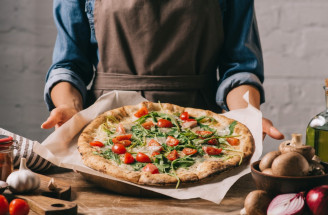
x: 61, y: 146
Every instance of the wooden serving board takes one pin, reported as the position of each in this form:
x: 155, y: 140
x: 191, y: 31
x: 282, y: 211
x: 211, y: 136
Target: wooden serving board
x: 63, y: 190
x: 45, y: 201
x: 120, y: 187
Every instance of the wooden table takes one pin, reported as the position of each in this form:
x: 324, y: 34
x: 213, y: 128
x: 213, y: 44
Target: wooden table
x: 95, y: 200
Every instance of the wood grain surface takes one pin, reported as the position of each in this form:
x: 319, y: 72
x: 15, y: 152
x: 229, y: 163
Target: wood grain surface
x: 95, y: 200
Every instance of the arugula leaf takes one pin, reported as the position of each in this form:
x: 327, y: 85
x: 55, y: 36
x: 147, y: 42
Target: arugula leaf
x: 108, y: 154
x: 112, y: 119
x: 108, y: 129
x: 183, y: 162
x: 206, y: 127
x: 175, y: 122
x: 234, y: 150
x: 204, y: 119
x: 162, y: 164
x: 232, y: 127
x: 143, y: 118
x: 138, y: 166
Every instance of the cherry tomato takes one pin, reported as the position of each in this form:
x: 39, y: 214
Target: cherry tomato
x: 97, y: 143
x: 233, y: 141
x: 171, y: 141
x: 118, y: 148
x: 184, y: 115
x: 4, y: 207
x: 125, y: 142
x: 148, y: 125
x: 141, y: 112
x: 204, y: 133
x: 120, y: 129
x: 153, y: 142
x: 189, y: 151
x: 155, y: 153
x: 211, y: 150
x: 212, y: 142
x: 143, y: 158
x: 128, y: 158
x: 18, y: 207
x: 123, y: 139
x: 172, y: 155
x: 164, y: 123
x: 150, y: 168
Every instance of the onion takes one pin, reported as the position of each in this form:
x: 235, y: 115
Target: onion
x: 317, y: 200
x: 287, y: 204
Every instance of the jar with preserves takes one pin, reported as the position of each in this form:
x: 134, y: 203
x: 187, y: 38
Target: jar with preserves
x: 6, y: 156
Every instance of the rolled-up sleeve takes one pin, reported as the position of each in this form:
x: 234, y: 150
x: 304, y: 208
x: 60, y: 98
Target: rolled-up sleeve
x: 241, y: 61
x: 74, y: 56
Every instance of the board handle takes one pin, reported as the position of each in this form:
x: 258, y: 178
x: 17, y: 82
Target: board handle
x: 49, y: 206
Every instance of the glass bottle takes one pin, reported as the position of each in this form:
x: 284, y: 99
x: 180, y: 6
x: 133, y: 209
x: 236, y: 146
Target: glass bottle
x: 317, y: 131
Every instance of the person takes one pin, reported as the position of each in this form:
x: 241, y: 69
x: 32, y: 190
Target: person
x: 203, y: 54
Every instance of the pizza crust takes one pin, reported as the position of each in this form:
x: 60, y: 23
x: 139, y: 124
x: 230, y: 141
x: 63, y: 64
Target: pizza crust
x: 193, y: 174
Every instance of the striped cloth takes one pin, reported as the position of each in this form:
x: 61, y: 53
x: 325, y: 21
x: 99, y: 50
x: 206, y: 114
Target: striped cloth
x: 24, y: 148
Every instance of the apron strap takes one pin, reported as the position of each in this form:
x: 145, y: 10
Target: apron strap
x: 105, y: 81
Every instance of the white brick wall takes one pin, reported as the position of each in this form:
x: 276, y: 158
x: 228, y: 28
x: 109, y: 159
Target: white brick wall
x: 294, y: 35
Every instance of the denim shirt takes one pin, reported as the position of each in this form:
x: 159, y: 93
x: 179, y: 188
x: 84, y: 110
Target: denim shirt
x: 76, y: 55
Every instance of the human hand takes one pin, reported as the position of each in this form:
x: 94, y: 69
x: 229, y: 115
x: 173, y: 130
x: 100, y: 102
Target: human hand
x: 59, y: 116
x: 269, y: 129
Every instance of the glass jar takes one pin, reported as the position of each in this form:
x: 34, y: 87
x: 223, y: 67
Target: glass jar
x: 6, y: 156
x: 317, y: 131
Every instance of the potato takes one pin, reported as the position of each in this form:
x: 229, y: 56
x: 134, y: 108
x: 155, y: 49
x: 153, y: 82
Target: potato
x: 290, y: 164
x: 267, y: 160
x: 257, y: 202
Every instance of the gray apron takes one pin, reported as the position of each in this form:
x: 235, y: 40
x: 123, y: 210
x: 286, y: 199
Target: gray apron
x: 165, y: 49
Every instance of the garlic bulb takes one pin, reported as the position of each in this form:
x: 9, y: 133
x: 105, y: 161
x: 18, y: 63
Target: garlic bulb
x: 23, y: 180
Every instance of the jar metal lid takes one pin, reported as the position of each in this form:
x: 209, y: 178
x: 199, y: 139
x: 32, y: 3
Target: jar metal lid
x: 6, y: 140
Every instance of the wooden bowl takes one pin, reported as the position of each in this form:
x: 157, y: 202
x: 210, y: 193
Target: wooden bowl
x: 286, y: 184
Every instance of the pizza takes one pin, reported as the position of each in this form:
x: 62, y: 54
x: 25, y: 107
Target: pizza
x: 164, y: 144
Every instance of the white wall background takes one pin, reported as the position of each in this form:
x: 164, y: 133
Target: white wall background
x: 294, y: 35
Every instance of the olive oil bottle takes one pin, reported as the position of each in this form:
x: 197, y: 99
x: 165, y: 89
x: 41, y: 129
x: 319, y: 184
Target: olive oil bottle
x: 317, y: 131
